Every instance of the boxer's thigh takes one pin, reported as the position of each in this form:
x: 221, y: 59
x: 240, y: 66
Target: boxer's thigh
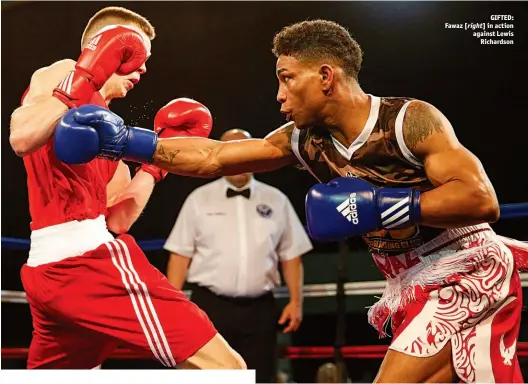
x: 162, y: 322
x: 488, y: 353
x: 123, y: 296
x: 174, y: 330
x: 398, y: 367
x: 61, y: 346
x: 215, y: 354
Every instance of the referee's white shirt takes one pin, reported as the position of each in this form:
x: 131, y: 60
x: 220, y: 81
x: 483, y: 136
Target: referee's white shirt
x: 236, y: 243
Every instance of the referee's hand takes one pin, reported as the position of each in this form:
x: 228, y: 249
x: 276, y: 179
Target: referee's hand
x: 292, y: 312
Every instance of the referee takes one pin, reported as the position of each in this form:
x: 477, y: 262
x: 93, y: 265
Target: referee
x: 227, y: 242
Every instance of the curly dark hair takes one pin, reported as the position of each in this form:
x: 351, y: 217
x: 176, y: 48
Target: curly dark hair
x: 320, y: 39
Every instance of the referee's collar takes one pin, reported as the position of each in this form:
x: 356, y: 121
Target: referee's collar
x: 250, y: 184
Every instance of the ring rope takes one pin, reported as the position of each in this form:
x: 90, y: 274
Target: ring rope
x: 506, y: 211
x: 358, y: 288
x: 285, y: 352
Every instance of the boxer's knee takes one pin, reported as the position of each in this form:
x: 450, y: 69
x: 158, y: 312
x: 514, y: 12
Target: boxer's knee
x: 398, y: 367
x: 225, y: 356
x: 239, y: 361
x: 215, y: 354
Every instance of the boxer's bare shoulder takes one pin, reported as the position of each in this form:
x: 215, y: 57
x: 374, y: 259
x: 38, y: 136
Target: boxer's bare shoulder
x: 60, y: 66
x: 33, y: 123
x: 424, y: 126
x: 45, y: 79
x: 281, y: 137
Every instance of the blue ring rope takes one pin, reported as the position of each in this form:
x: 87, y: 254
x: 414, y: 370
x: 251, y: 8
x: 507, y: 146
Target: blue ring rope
x: 507, y: 211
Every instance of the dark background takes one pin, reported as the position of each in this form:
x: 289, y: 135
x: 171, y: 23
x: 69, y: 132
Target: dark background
x: 220, y: 54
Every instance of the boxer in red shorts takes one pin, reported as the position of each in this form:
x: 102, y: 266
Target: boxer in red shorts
x: 389, y: 169
x: 87, y: 291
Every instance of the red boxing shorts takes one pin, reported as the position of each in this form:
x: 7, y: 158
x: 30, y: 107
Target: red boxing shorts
x: 85, y: 306
x: 463, y: 288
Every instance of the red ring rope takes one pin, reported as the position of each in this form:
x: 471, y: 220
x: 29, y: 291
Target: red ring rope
x: 350, y: 352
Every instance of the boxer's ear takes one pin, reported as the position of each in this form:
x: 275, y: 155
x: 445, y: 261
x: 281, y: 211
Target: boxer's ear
x: 327, y: 76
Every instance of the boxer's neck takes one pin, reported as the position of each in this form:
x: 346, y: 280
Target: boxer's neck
x: 347, y: 114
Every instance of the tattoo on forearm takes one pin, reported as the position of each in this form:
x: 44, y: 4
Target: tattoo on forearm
x: 167, y: 155
x: 420, y: 122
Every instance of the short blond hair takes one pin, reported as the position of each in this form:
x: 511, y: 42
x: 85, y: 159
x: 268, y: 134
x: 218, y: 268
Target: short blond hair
x: 116, y: 15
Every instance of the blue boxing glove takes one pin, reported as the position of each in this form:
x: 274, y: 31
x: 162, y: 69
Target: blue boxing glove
x: 75, y: 143
x: 116, y: 141
x: 347, y: 207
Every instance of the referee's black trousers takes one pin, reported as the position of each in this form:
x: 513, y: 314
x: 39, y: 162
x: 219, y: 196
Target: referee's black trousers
x: 249, y: 325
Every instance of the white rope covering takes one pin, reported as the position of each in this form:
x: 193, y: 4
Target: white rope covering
x: 358, y: 288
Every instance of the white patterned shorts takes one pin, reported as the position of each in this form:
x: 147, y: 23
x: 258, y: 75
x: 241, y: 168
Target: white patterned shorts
x: 477, y: 309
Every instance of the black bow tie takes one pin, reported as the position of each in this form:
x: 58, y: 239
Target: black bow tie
x: 232, y: 193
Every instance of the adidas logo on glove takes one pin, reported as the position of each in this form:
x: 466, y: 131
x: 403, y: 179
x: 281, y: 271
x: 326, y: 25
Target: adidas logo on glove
x: 348, y: 209
x: 328, y: 205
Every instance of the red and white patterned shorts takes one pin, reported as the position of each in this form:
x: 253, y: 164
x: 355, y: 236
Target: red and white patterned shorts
x: 466, y: 290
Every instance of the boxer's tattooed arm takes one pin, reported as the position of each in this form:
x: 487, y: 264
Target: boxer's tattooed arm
x: 281, y: 137
x: 289, y: 131
x: 201, y: 157
x: 421, y: 121
x: 167, y: 155
x: 462, y: 194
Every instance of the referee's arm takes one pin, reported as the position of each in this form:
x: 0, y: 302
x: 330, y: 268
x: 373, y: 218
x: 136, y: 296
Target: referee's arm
x: 177, y: 270
x: 180, y: 244
x: 293, y: 272
x: 293, y: 244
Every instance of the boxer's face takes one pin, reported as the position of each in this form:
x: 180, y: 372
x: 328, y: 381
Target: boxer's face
x: 301, y: 92
x: 118, y: 86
